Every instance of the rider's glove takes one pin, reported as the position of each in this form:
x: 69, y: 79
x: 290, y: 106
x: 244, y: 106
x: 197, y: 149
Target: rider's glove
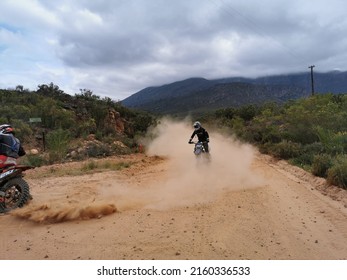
x: 190, y: 141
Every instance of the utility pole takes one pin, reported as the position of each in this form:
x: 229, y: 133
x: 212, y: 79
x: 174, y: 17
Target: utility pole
x: 312, y: 83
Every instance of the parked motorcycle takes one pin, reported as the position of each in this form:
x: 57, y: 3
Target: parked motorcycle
x: 14, y: 190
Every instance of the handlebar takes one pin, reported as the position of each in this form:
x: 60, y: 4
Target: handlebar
x: 196, y: 142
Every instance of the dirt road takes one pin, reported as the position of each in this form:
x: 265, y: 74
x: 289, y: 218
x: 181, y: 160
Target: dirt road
x: 168, y: 207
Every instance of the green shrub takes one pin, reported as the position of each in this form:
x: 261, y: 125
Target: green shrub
x: 95, y: 166
x: 34, y: 160
x: 90, y: 165
x: 98, y: 150
x: 247, y: 112
x: 115, y: 166
x: 57, y: 142
x: 321, y: 164
x: 337, y: 174
x: 271, y: 134
x: 285, y: 149
x: 120, y: 150
x: 308, y: 154
x: 315, y: 148
x: 334, y: 143
x: 304, y: 160
x: 265, y: 148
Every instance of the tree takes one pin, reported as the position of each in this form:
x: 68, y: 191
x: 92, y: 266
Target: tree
x: 51, y: 90
x: 19, y: 88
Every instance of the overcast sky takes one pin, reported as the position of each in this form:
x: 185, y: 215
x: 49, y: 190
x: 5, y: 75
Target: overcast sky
x: 118, y: 47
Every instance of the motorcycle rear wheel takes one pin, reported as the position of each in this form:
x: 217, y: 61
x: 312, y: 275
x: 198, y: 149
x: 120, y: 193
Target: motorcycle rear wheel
x: 16, y: 194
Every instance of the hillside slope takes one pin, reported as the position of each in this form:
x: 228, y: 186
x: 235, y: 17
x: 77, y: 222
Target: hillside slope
x: 223, y: 96
x: 198, y: 94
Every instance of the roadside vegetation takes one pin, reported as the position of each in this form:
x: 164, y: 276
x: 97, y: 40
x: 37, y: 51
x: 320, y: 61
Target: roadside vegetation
x: 310, y: 133
x: 58, y: 125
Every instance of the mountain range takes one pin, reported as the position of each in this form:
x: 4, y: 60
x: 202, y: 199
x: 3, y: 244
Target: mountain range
x: 198, y: 95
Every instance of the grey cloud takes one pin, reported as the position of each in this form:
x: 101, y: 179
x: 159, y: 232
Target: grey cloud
x: 121, y: 39
x: 130, y: 44
x: 101, y: 50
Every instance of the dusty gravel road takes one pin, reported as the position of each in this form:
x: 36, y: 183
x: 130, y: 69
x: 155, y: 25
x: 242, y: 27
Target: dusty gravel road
x: 165, y: 205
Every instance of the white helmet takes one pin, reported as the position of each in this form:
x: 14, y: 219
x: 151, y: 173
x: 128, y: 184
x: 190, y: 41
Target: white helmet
x: 197, y: 125
x: 6, y: 128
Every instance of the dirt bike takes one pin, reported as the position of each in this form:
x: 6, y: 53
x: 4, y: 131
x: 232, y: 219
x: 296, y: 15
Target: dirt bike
x: 199, y: 150
x: 14, y: 190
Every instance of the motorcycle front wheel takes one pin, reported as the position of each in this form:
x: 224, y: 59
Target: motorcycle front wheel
x: 16, y: 194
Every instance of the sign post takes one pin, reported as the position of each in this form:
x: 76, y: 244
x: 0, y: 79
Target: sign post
x: 38, y: 120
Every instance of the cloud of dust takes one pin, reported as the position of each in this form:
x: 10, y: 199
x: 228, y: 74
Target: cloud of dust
x: 191, y: 180
x: 186, y: 181
x: 62, y: 213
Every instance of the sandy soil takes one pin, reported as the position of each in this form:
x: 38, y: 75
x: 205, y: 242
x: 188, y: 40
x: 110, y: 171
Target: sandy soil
x: 167, y: 205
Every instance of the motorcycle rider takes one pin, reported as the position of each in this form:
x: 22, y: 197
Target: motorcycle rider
x: 10, y: 147
x: 202, y: 135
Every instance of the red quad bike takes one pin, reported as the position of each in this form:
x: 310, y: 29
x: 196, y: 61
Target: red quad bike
x: 14, y: 190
